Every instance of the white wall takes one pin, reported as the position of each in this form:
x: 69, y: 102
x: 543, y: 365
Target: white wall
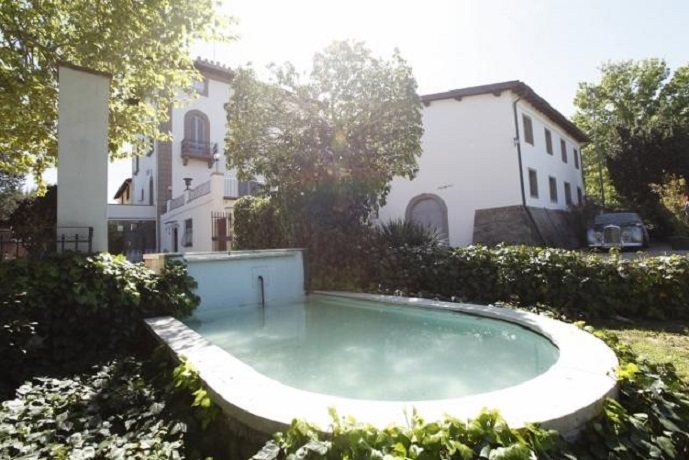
x: 199, y: 211
x: 231, y: 281
x: 140, y: 192
x: 469, y: 160
x: 536, y: 157
x: 83, y: 152
x: 213, y: 106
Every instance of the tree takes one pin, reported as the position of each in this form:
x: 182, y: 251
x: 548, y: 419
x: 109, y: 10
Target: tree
x: 10, y: 193
x: 632, y: 100
x: 34, y: 221
x: 354, y: 125
x: 330, y: 142
x: 145, y: 45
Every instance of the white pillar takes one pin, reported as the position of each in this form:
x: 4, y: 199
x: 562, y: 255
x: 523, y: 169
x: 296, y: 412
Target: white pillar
x: 82, y: 150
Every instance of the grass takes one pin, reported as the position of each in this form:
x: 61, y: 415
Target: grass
x: 659, y: 342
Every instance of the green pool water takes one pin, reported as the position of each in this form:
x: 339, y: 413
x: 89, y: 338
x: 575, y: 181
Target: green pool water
x: 375, y: 351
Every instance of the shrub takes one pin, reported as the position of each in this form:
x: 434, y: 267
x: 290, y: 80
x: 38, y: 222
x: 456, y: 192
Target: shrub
x: 486, y: 437
x: 651, y: 417
x: 402, y: 232
x: 572, y: 283
x: 110, y: 412
x: 69, y: 309
x: 258, y: 224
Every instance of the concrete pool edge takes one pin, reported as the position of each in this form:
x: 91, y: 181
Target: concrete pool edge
x: 565, y: 397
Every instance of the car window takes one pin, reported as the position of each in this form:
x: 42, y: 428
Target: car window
x: 619, y: 218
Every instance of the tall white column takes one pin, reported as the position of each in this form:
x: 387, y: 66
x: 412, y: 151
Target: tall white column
x: 82, y: 174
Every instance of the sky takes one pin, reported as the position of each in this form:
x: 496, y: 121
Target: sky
x: 550, y: 45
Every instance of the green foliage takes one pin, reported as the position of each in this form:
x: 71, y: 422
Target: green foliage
x: 329, y: 143
x: 110, y: 412
x: 636, y: 116
x: 485, y: 437
x: 672, y: 193
x: 145, y: 46
x: 574, y: 284
x: 10, y: 194
x: 403, y: 232
x: 186, y: 378
x: 69, y: 309
x: 647, y: 156
x: 34, y: 221
x: 258, y: 224
x: 355, y: 123
x: 651, y: 418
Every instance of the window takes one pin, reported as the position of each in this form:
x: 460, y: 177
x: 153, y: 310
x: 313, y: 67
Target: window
x: 580, y: 198
x: 201, y: 86
x: 196, y: 127
x: 141, y: 197
x: 188, y: 235
x: 150, y: 191
x: 533, y: 183
x: 196, y: 142
x: 429, y: 210
x: 568, y: 193
x: 576, y: 159
x: 553, y: 189
x: 548, y: 142
x: 528, y: 129
x: 563, y: 150
x: 136, y: 164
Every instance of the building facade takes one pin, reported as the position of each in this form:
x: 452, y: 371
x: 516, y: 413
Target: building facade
x: 184, y: 183
x: 498, y: 163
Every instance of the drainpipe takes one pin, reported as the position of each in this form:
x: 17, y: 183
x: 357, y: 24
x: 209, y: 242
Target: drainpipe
x: 521, y: 170
x: 519, y: 148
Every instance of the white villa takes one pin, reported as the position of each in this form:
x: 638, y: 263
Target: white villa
x: 498, y: 164
x: 187, y: 191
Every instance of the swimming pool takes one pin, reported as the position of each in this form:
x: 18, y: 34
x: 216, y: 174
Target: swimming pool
x: 561, y: 385
x: 363, y: 349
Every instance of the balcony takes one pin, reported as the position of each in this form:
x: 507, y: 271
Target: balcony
x: 198, y: 150
x: 235, y: 189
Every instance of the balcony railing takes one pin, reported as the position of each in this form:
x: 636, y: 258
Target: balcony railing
x: 176, y: 203
x: 235, y: 188
x: 198, y: 150
x: 199, y: 191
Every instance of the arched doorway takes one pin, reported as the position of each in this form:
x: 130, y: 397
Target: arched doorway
x: 430, y: 210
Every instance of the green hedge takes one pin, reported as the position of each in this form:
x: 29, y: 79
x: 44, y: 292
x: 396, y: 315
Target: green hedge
x: 69, y: 309
x: 257, y: 224
x: 108, y: 412
x: 573, y: 283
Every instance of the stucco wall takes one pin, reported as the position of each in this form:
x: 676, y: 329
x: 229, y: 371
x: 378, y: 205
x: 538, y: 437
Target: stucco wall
x: 83, y: 153
x: 213, y: 106
x: 199, y: 211
x: 469, y: 160
x: 546, y: 165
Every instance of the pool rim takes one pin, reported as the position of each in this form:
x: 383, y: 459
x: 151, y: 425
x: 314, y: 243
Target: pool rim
x: 564, y: 397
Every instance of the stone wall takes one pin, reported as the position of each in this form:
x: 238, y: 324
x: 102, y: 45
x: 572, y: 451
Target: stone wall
x: 525, y: 225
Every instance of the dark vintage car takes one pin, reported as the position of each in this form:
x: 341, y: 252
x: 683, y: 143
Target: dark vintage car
x: 617, y: 229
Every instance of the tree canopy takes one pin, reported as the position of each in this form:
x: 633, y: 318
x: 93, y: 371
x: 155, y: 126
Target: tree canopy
x: 10, y: 194
x: 144, y: 44
x: 354, y: 122
x: 327, y: 144
x: 635, y: 103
